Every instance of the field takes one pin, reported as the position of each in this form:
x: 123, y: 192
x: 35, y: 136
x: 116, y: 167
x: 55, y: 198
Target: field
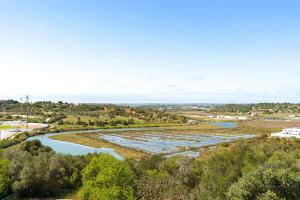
x: 4, y: 127
x: 272, y: 124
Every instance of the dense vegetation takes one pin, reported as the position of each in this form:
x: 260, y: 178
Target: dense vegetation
x: 257, y: 169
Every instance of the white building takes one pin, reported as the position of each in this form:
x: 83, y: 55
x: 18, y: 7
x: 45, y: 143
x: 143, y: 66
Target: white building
x: 242, y: 118
x: 288, y: 133
x: 226, y: 117
x: 192, y: 122
x: 211, y: 116
x: 229, y: 117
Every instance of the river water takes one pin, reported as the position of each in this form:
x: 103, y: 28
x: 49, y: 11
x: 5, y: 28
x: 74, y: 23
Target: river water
x: 71, y: 148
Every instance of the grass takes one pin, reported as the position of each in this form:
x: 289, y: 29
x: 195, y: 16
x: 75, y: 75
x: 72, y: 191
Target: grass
x: 4, y: 127
x: 272, y: 123
x: 87, y: 140
x: 277, y: 115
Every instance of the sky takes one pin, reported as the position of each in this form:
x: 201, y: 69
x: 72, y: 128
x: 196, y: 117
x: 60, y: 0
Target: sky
x: 150, y: 51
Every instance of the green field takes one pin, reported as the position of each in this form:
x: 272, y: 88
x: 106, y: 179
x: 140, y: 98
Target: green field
x: 3, y: 127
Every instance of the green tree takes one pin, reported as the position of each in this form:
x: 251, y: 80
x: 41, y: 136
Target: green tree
x: 107, y: 178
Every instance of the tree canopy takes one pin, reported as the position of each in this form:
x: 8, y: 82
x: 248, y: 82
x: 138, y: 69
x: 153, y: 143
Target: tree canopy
x: 107, y: 178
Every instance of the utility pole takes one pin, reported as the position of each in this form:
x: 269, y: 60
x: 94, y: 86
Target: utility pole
x: 27, y: 104
x: 21, y: 110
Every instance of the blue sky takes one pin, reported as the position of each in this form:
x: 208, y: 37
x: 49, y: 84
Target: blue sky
x: 150, y: 51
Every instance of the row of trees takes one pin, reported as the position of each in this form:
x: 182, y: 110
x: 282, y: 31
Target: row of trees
x: 257, y: 169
